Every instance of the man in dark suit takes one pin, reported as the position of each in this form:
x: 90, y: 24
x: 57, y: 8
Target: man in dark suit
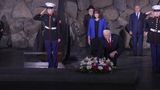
x: 136, y: 26
x: 113, y: 46
x: 87, y: 17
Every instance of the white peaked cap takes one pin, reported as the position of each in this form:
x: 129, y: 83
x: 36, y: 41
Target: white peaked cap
x: 50, y: 5
x: 156, y: 7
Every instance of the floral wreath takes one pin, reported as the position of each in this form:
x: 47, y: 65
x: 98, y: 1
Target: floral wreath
x: 94, y: 64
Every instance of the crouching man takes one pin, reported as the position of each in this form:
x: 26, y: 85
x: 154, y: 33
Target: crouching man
x: 113, y: 46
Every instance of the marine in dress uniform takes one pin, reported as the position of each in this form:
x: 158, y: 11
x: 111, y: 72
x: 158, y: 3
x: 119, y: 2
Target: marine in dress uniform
x: 152, y: 31
x: 51, y: 33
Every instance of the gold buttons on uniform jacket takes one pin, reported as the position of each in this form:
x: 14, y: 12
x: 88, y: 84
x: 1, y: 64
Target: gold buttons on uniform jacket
x: 156, y: 23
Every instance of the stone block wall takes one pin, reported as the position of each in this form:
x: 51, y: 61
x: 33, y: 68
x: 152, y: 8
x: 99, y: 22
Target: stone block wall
x: 116, y: 12
x: 21, y: 29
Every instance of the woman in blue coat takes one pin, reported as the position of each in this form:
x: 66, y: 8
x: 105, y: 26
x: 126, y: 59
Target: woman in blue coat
x: 95, y: 34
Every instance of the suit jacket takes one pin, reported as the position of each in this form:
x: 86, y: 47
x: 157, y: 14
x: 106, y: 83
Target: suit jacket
x: 136, y: 25
x: 116, y: 45
x: 91, y: 28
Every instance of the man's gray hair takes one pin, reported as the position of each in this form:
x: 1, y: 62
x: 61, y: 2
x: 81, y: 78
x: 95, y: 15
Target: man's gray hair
x: 106, y: 31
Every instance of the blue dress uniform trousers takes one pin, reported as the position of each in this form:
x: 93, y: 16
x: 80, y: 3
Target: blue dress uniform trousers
x: 155, y: 54
x: 52, y: 50
x: 152, y: 26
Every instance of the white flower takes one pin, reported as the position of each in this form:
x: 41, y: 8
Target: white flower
x: 104, y: 58
x: 95, y: 61
x: 104, y: 64
x: 83, y: 63
x: 110, y: 68
x: 111, y: 63
x: 86, y: 59
x: 89, y: 63
x: 100, y: 60
x: 108, y: 61
x: 95, y: 58
x: 89, y: 67
x: 81, y: 67
x: 89, y: 59
x: 100, y: 67
x: 101, y: 63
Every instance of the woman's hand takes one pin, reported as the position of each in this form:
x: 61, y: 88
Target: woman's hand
x: 89, y: 41
x: 130, y: 32
x: 112, y: 54
x: 145, y: 34
x: 59, y: 40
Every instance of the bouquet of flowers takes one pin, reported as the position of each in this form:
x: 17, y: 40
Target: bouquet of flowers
x: 94, y: 64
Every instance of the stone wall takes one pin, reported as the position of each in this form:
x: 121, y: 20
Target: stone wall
x: 21, y: 29
x: 116, y: 12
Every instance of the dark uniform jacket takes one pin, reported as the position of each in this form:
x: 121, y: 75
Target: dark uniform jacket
x: 48, y: 23
x: 152, y: 26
